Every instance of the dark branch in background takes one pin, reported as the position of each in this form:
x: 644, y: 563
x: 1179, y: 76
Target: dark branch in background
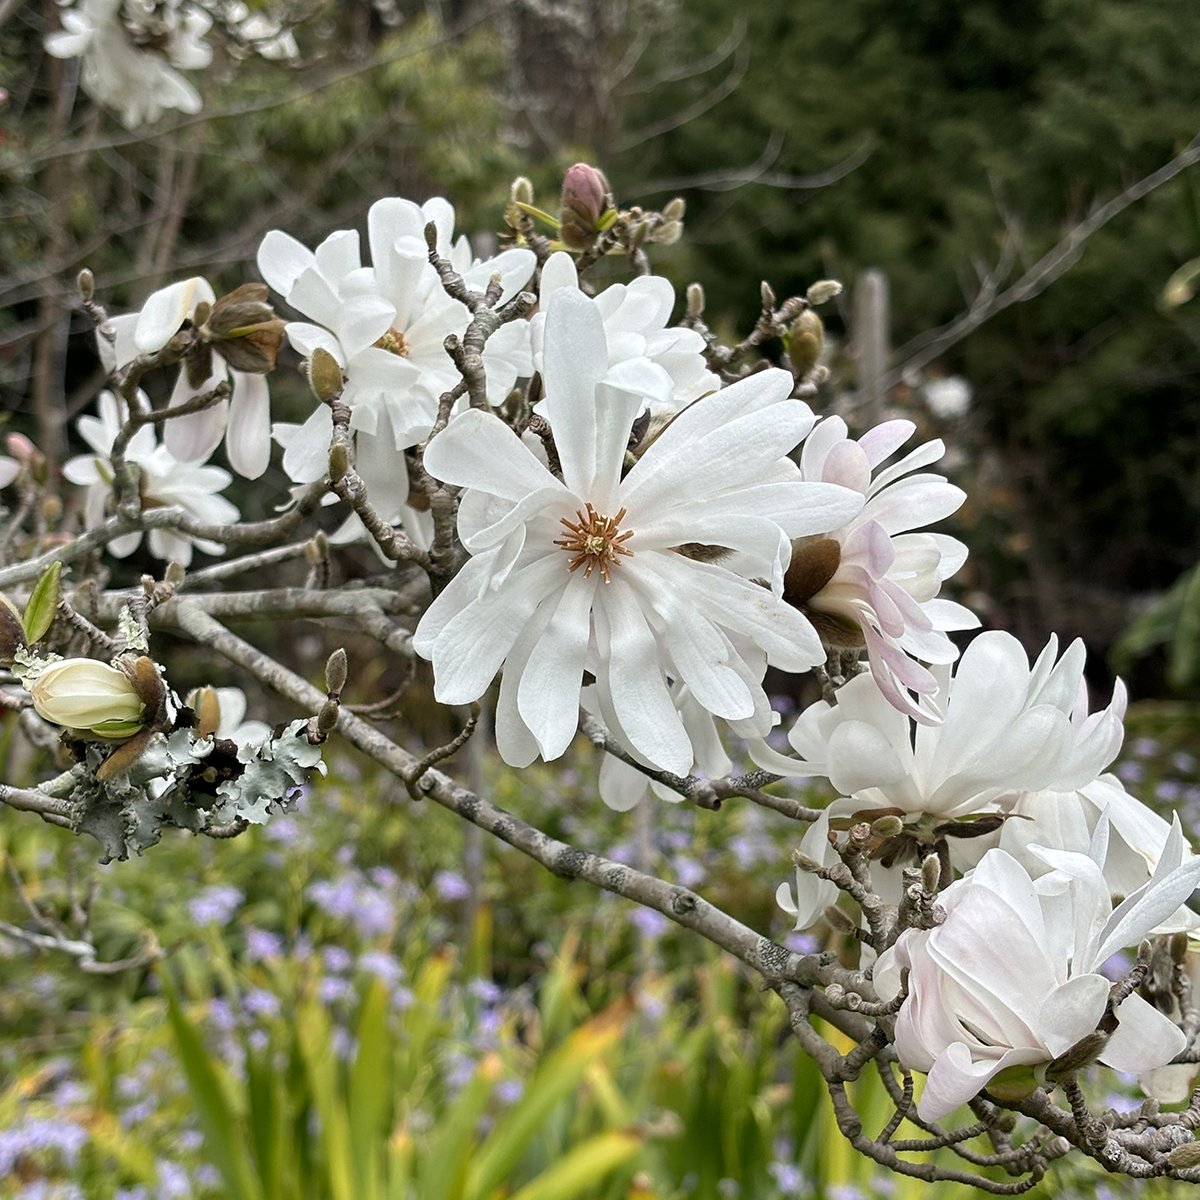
x: 923, y: 349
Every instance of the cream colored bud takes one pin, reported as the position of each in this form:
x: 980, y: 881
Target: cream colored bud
x: 931, y: 873
x: 823, y: 291
x: 767, y: 295
x: 86, y: 282
x: 174, y: 574
x: 91, y: 696
x: 804, y: 342
x: 668, y: 233
x: 695, y: 299
x: 673, y: 210
x: 521, y: 191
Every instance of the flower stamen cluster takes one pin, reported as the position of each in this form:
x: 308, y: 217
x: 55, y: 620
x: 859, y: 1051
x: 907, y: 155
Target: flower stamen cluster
x: 594, y: 541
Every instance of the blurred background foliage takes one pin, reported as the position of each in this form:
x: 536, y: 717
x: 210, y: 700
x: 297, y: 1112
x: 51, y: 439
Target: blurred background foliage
x: 340, y: 1013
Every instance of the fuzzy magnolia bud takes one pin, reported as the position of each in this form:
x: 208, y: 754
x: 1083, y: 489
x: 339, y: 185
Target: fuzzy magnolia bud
x: 86, y: 282
x: 324, y: 375
x: 668, y: 233
x: 339, y: 461
x: 336, y: 669
x: 673, y: 210
x: 804, y: 342
x: 586, y: 200
x: 695, y: 299
x: 823, y: 291
x: 1187, y: 1155
x: 931, y: 873
x: 88, y: 696
x: 887, y: 826
x: 521, y: 191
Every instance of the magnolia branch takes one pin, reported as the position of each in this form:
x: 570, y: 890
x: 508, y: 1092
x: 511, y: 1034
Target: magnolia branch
x: 1066, y: 252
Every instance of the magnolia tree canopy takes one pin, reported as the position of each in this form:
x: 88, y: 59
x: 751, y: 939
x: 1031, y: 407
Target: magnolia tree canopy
x: 592, y: 514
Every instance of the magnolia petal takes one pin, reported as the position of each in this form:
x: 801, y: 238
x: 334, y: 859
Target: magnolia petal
x: 576, y: 359
x: 635, y: 682
x: 248, y: 439
x: 548, y: 695
x: 1144, y: 1038
x: 166, y: 310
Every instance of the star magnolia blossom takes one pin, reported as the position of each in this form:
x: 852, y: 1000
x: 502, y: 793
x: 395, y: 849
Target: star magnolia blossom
x: 138, y: 83
x: 165, y: 483
x: 874, y: 583
x: 635, y: 327
x: 243, y: 420
x: 584, y: 572
x: 1010, y: 981
x: 1137, y: 836
x: 1008, y: 729
x: 386, y: 324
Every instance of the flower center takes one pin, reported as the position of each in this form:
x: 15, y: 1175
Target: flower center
x: 394, y: 342
x: 594, y: 541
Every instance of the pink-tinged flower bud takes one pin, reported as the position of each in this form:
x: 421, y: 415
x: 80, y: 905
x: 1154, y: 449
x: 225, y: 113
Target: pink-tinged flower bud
x: 89, y: 696
x: 21, y: 448
x: 585, y: 200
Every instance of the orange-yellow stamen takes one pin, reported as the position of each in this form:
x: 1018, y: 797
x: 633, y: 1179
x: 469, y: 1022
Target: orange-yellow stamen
x: 394, y: 341
x: 594, y: 541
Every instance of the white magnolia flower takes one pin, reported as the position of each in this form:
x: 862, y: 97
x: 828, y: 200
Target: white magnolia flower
x: 126, y: 75
x: 386, y: 324
x: 1008, y: 730
x: 243, y: 420
x: 635, y: 326
x: 584, y: 572
x: 1137, y: 836
x: 165, y: 483
x: 1010, y: 981
x: 83, y: 694
x: 873, y: 582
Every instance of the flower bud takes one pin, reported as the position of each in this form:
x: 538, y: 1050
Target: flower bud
x: 336, y: 669
x: 1182, y: 1157
x: 12, y: 630
x: 339, y: 461
x: 22, y: 449
x: 585, y: 200
x: 247, y: 329
x: 88, y: 696
x: 804, y: 342
x: 324, y: 375
x: 695, y: 299
x: 887, y: 826
x: 668, y: 233
x: 86, y: 283
x: 521, y: 191
x: 206, y: 704
x: 673, y: 210
x: 823, y: 291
